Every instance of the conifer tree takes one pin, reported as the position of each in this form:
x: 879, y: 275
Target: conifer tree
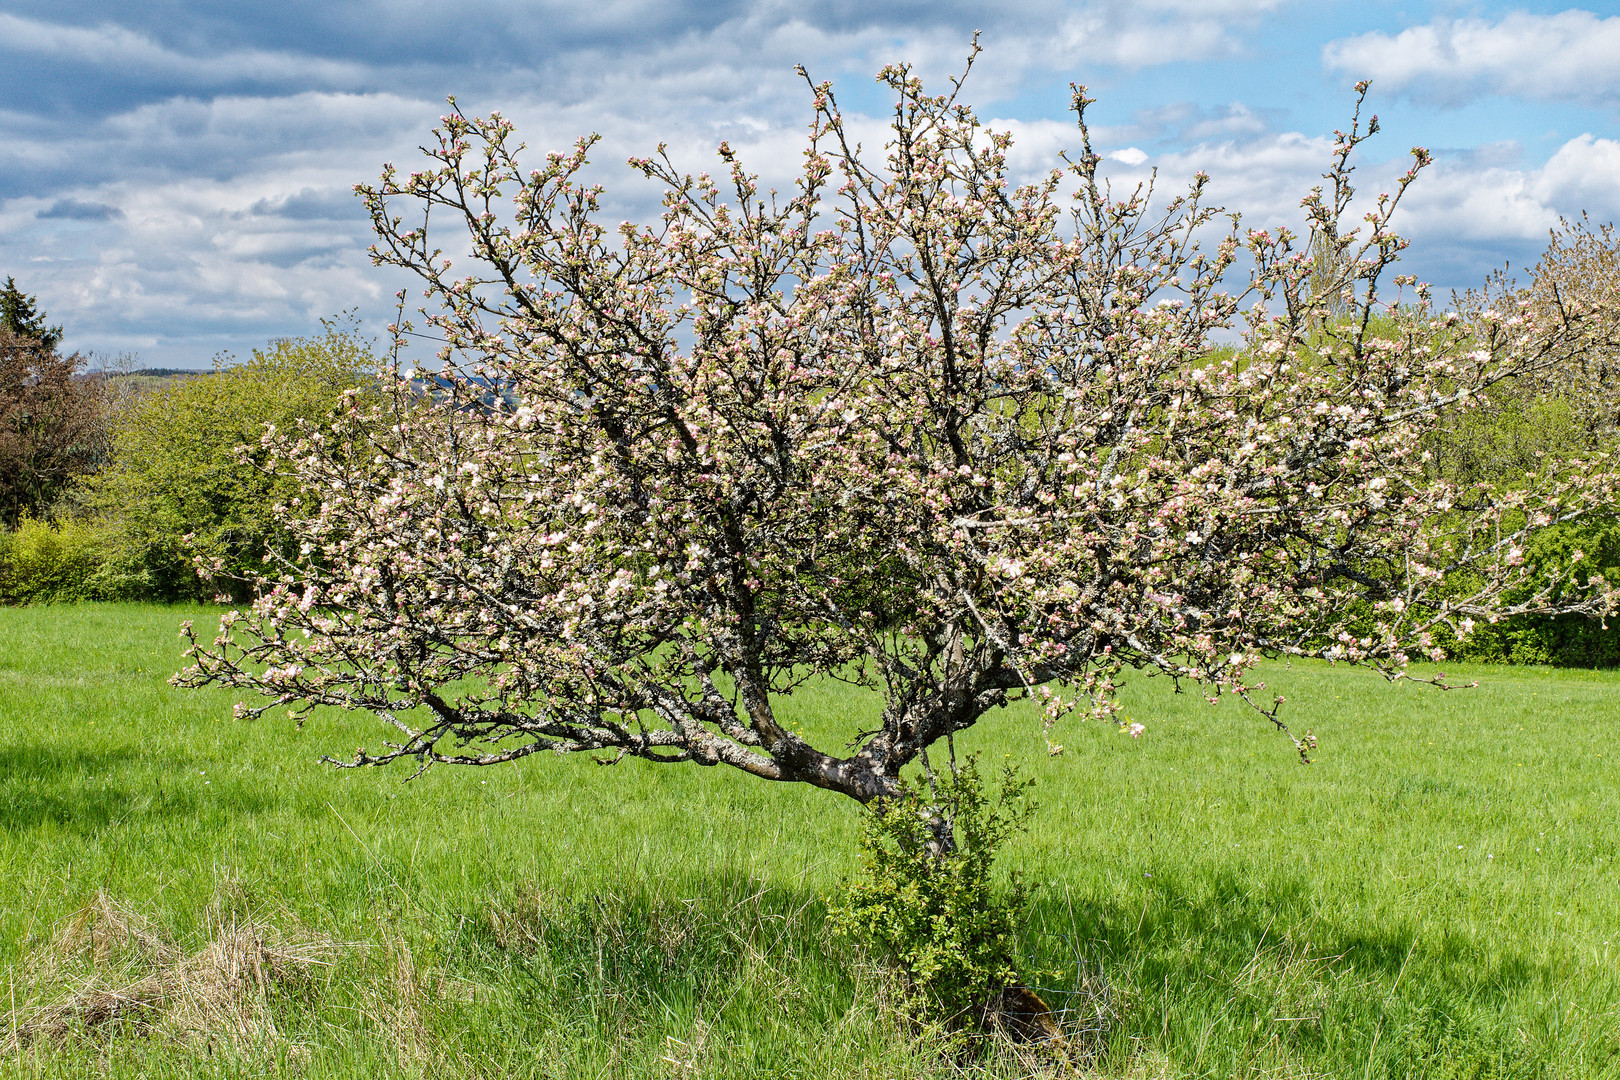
x: 20, y: 315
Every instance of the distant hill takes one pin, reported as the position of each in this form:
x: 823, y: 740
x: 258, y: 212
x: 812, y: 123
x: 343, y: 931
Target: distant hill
x: 169, y: 372
x: 146, y: 380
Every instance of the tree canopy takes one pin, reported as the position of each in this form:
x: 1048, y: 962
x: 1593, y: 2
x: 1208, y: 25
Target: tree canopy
x: 178, y: 470
x: 910, y: 424
x: 52, y: 425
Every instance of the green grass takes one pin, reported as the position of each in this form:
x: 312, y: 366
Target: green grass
x: 1437, y: 896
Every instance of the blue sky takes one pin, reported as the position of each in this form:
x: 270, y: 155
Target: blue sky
x: 175, y: 175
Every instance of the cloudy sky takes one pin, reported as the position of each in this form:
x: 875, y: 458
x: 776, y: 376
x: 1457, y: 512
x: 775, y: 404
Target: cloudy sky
x: 175, y: 175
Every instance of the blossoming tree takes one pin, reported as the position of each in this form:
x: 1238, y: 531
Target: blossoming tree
x: 960, y: 440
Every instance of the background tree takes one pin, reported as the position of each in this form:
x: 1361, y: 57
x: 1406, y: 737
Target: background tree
x: 1566, y: 409
x: 910, y: 425
x: 52, y: 425
x: 179, y: 488
x: 1561, y: 413
x: 19, y: 315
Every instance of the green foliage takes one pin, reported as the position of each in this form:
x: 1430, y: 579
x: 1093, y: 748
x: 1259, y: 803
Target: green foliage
x: 1517, y: 428
x: 67, y: 561
x: 20, y: 315
x: 924, y: 901
x: 1511, y: 433
x: 53, y: 562
x: 1566, y: 411
x: 1588, y: 547
x: 187, y: 476
x: 1509, y: 437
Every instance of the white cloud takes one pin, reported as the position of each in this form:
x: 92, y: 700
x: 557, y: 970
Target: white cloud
x: 1231, y: 9
x: 1455, y: 203
x: 1584, y: 175
x: 1262, y: 178
x: 112, y: 46
x: 203, y: 215
x: 227, y: 221
x: 1473, y: 200
x: 1464, y: 214
x: 1568, y: 56
x: 1134, y: 35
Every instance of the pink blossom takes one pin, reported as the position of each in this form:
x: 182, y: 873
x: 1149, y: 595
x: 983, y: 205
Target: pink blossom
x: 752, y: 442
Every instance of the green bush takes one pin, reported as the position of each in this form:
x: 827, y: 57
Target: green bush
x: 1569, y: 410
x: 1556, y: 641
x: 1513, y: 434
x: 74, y: 559
x: 61, y: 562
x: 187, y: 477
x: 1562, y: 640
x: 928, y: 910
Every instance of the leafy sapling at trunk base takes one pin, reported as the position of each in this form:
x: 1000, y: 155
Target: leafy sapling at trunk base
x: 910, y: 424
x: 923, y: 901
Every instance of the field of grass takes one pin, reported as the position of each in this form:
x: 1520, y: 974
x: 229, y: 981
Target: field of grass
x: 1437, y: 896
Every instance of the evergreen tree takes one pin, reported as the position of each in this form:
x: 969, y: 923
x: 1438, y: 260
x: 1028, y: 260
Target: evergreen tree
x: 19, y: 314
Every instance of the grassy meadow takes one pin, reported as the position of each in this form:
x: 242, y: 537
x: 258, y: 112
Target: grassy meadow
x: 1437, y: 896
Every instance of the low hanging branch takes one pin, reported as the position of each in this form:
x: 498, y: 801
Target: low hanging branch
x: 909, y: 424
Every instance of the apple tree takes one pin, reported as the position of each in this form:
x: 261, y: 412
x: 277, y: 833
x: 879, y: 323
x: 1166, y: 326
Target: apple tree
x: 959, y: 439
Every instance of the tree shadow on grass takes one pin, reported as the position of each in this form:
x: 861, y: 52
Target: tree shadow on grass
x: 85, y: 792
x: 1230, y: 962
x: 651, y: 951
x: 1223, y: 974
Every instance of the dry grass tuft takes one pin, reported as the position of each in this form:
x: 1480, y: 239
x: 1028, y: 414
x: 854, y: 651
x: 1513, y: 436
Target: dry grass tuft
x: 397, y: 1004
x: 107, y: 967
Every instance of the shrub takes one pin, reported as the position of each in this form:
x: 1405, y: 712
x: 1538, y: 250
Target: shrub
x: 1565, y: 412
x: 1585, y: 548
x: 187, y: 478
x: 61, y: 562
x: 923, y: 901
